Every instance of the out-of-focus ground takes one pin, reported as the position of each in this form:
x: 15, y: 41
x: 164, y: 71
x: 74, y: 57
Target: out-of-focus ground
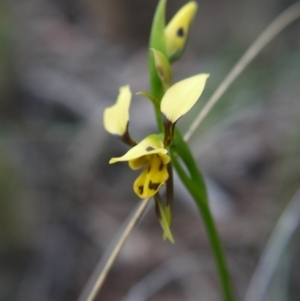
x: 61, y: 64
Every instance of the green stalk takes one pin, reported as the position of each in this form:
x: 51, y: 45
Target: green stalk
x: 216, y: 247
x: 200, y: 197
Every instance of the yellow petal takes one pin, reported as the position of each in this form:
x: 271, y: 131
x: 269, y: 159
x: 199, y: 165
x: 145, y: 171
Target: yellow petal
x: 139, y: 162
x: 116, y: 117
x: 177, y: 30
x: 164, y: 158
x: 181, y: 97
x: 152, y: 178
x: 152, y: 144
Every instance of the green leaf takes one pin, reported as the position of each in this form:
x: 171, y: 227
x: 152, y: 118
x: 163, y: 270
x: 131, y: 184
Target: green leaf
x: 195, y: 185
x: 185, y: 154
x: 150, y: 97
x: 157, y: 36
x: 157, y: 41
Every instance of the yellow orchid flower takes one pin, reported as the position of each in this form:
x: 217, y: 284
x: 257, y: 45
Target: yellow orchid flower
x: 182, y: 96
x: 177, y: 31
x: 150, y: 154
x: 116, y: 117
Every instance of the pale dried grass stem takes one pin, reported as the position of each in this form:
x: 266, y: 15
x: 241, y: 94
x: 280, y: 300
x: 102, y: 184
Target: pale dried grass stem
x: 97, y: 279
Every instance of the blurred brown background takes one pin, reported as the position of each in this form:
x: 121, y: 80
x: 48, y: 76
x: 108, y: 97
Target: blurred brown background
x: 61, y: 204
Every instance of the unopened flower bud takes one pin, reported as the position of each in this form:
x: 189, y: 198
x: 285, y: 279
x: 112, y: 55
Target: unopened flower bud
x: 177, y: 31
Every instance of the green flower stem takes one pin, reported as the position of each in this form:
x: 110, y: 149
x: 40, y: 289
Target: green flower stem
x: 217, y: 248
x: 170, y: 187
x: 185, y: 154
x: 198, y: 191
x: 159, y: 119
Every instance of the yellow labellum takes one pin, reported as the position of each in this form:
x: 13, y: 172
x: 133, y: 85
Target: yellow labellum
x: 152, y: 178
x: 177, y: 30
x: 116, y: 117
x: 182, y: 96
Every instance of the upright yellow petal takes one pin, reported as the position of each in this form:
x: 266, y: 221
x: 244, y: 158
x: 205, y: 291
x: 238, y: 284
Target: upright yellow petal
x: 152, y: 144
x: 116, y: 117
x: 181, y: 97
x: 177, y: 30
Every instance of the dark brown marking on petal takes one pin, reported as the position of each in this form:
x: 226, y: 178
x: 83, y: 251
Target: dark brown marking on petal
x: 149, y: 168
x: 149, y: 148
x: 153, y: 186
x: 141, y: 189
x: 180, y: 32
x: 161, y: 166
